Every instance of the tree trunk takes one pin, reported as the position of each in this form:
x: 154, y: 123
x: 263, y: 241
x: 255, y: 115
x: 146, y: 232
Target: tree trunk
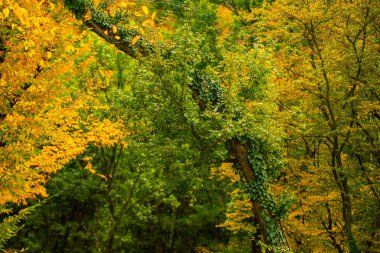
x: 342, y: 182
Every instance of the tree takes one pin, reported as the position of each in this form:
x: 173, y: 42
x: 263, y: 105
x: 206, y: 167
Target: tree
x: 41, y: 123
x: 207, y: 94
x: 248, y: 85
x: 327, y: 56
x: 145, y: 198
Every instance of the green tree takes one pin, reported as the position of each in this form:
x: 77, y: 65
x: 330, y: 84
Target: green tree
x: 248, y: 149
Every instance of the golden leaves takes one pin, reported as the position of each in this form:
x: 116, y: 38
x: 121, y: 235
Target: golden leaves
x: 145, y: 10
x: 5, y: 12
x: 225, y: 171
x: 42, y: 131
x: 148, y: 22
x: 238, y: 213
x: 22, y: 14
x: 224, y: 16
x: 87, y: 16
x: 135, y: 39
x: 239, y: 209
x: 89, y: 164
x: 106, y: 133
x: 69, y: 49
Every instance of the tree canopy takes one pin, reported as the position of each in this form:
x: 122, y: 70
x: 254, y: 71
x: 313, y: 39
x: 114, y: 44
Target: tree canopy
x: 189, y: 126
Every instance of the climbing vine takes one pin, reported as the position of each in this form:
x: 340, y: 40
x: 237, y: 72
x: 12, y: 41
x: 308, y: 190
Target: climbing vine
x: 258, y: 190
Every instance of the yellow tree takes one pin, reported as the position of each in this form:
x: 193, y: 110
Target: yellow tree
x: 44, y: 121
x: 327, y: 56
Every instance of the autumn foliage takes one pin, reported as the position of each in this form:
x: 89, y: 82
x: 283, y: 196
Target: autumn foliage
x: 256, y: 120
x: 43, y: 119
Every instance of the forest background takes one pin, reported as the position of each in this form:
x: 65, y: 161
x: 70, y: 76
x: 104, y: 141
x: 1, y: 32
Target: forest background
x: 189, y: 126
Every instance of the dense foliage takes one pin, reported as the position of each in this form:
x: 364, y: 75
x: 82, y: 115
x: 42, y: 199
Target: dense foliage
x: 189, y: 126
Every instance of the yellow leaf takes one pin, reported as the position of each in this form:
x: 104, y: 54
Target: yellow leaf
x: 145, y: 10
x: 114, y: 29
x: 135, y: 39
x: 20, y: 13
x: 87, y: 16
x: 31, y: 53
x: 87, y: 159
x: 106, y: 32
x: 148, y: 22
x: 102, y: 176
x: 153, y: 15
x: 117, y: 37
x: 6, y: 12
x: 90, y: 168
x: 69, y: 48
